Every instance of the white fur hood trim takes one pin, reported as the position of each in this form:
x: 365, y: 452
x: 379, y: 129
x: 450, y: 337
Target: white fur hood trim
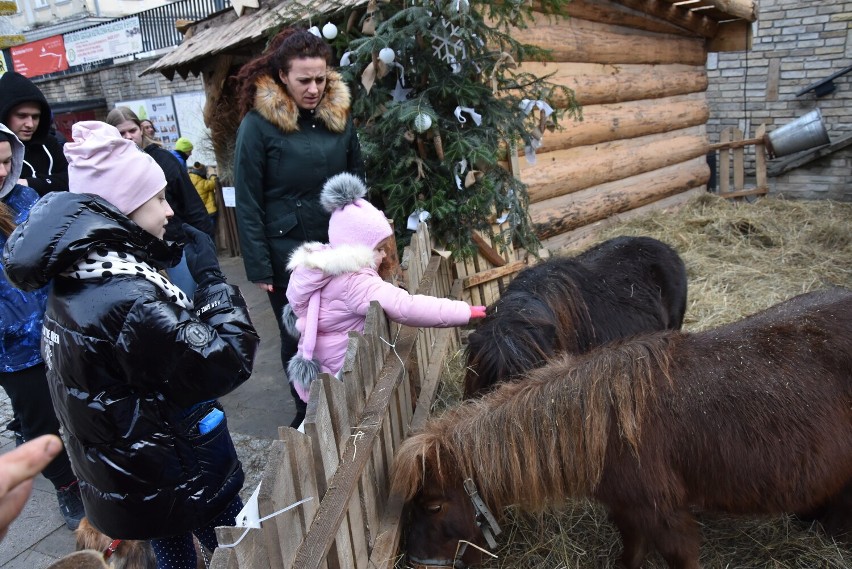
x: 333, y: 261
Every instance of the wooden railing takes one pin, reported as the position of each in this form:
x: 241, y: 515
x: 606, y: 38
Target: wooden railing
x: 352, y: 429
x: 731, y: 163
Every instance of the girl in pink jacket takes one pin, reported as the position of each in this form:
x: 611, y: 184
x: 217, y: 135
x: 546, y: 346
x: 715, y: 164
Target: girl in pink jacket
x: 332, y: 285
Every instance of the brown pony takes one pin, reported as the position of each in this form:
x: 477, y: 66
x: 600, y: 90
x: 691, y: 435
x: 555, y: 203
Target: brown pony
x: 754, y: 417
x: 621, y: 287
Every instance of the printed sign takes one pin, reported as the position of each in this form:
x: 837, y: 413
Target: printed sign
x: 161, y: 112
x: 108, y: 41
x: 40, y: 57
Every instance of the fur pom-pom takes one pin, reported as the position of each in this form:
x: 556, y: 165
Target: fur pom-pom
x: 301, y: 373
x: 288, y: 319
x: 341, y: 190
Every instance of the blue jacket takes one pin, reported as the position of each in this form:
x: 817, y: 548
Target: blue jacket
x: 21, y: 313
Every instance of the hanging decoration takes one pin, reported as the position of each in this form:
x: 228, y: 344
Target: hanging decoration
x: 460, y: 7
x: 417, y: 217
x: 422, y: 122
x: 504, y: 61
x: 527, y: 106
x: 329, y: 31
x: 477, y: 118
x: 387, y: 55
x: 346, y: 59
x: 315, y: 30
x: 448, y: 46
x: 368, y: 28
x: 400, y: 93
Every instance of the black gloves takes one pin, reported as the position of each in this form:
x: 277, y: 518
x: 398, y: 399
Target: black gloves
x: 201, y: 257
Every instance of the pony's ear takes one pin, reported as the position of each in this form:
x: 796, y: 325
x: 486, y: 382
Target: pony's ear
x: 415, y: 457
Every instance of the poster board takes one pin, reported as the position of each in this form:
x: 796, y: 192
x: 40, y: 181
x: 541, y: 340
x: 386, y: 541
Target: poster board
x: 161, y: 111
x: 189, y: 108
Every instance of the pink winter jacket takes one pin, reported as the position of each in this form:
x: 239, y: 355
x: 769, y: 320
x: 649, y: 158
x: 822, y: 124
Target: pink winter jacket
x: 346, y: 278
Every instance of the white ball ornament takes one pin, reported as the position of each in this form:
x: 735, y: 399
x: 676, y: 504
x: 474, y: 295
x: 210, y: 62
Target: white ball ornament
x: 315, y: 30
x: 387, y: 55
x: 329, y: 31
x: 422, y: 122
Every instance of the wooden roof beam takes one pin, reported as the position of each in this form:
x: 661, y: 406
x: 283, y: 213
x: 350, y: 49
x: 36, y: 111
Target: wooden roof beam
x: 745, y: 9
x: 692, y: 21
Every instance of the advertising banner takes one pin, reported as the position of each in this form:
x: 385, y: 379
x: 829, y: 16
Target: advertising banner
x: 161, y: 112
x: 39, y: 57
x: 108, y: 41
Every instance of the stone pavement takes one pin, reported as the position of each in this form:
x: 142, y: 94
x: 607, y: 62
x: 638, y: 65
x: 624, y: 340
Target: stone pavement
x: 254, y: 411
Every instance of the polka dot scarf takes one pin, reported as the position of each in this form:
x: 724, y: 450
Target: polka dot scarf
x: 101, y: 264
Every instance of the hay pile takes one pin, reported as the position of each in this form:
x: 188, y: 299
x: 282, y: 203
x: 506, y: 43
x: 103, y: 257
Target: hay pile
x: 740, y: 258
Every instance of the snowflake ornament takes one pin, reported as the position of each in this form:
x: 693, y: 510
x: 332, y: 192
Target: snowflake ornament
x: 448, y: 46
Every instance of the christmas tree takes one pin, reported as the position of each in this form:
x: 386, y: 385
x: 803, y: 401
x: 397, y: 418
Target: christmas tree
x: 440, y: 103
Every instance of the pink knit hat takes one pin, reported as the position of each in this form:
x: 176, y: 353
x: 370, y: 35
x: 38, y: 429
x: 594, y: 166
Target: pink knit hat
x: 354, y: 220
x: 100, y: 162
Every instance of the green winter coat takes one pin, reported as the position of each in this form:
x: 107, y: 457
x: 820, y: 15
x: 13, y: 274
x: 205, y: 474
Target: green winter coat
x: 282, y: 158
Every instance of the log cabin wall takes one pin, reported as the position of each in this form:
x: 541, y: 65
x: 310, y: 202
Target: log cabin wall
x: 797, y: 43
x: 641, y: 82
x: 637, y: 68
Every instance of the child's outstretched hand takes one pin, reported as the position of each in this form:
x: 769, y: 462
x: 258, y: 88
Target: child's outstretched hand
x: 477, y: 312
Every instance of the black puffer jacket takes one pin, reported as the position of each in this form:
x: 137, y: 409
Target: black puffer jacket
x: 131, y: 373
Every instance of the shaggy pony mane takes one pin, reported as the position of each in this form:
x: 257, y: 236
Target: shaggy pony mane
x: 565, y: 418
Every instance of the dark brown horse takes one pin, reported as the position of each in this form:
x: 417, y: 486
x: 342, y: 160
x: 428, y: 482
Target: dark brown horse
x: 749, y: 418
x: 622, y: 287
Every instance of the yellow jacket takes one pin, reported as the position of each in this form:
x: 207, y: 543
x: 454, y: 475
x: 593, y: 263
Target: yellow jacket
x: 206, y: 188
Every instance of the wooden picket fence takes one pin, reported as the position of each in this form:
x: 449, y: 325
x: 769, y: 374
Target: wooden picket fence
x: 343, y: 460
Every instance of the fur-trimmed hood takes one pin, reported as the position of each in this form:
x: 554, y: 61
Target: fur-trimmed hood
x: 277, y: 106
x: 333, y: 261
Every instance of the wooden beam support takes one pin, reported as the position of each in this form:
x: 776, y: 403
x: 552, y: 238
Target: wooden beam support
x: 692, y: 21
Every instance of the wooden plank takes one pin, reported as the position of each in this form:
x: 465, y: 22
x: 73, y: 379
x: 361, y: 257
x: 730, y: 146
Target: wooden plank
x: 739, y: 162
x: 742, y: 193
x: 491, y: 274
x: 760, y: 158
x: 224, y: 558
x: 725, y: 137
x: 300, y: 457
x: 250, y: 552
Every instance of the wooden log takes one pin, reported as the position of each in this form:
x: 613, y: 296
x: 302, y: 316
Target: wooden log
x: 606, y: 123
x: 695, y: 22
x: 745, y: 9
x: 596, y: 83
x: 633, y: 14
x: 573, y: 39
x: 565, y: 171
x: 583, y: 237
x: 568, y: 212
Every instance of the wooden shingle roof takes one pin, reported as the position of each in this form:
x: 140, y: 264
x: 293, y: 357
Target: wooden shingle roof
x: 725, y: 24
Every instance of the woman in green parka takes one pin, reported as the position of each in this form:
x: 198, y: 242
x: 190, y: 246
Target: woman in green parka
x: 296, y: 132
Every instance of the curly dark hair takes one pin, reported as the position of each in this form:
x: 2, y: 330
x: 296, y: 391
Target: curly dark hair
x: 287, y: 45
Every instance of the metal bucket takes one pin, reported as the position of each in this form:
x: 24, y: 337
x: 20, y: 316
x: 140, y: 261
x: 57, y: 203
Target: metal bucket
x: 805, y: 132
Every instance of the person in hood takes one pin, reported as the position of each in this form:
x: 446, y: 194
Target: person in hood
x: 25, y: 111
x: 333, y: 284
x: 134, y: 366
x: 22, y: 372
x: 296, y: 133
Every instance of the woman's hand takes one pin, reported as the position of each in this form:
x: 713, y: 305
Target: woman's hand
x: 264, y: 286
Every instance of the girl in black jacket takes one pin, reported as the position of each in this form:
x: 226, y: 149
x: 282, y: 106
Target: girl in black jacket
x: 135, y: 366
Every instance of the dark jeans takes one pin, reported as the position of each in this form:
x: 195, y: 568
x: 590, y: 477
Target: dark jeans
x: 289, y: 346
x: 30, y: 396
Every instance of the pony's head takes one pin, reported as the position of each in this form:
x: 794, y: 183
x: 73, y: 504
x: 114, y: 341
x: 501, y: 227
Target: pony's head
x: 520, y: 333
x: 439, y: 517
